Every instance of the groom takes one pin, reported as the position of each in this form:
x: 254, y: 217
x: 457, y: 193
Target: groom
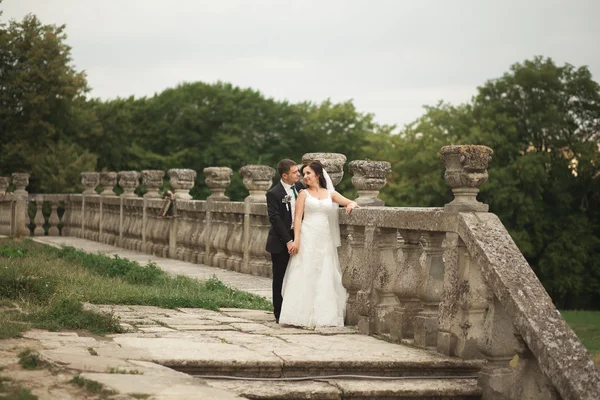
x: 281, y: 200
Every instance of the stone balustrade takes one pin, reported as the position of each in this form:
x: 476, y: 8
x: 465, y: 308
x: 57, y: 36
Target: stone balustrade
x: 449, y: 279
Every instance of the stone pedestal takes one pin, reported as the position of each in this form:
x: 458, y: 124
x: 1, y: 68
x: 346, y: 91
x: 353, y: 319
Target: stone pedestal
x: 369, y: 178
x: 257, y: 179
x: 217, y: 180
x: 108, y: 180
x: 152, y: 179
x: 128, y: 181
x: 332, y: 162
x: 182, y: 181
x: 466, y: 171
x: 89, y: 181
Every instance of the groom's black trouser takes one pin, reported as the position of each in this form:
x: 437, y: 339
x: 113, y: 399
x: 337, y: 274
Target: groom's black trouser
x: 280, y: 262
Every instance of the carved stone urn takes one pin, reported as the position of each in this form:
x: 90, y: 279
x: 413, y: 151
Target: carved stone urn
x: 89, y: 181
x: 182, y: 181
x: 466, y: 171
x: 217, y: 179
x: 129, y: 180
x: 108, y: 180
x: 332, y: 162
x: 152, y: 179
x: 369, y: 178
x: 257, y: 179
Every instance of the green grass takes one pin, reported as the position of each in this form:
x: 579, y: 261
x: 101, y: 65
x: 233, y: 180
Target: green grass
x: 50, y: 284
x: 586, y: 325
x: 30, y: 359
x: 91, y: 386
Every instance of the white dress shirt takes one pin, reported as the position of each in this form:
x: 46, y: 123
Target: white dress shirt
x: 289, y: 191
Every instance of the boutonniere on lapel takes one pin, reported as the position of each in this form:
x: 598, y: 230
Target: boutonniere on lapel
x: 286, y: 200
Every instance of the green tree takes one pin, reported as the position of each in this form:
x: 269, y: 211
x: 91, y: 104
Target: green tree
x: 39, y: 89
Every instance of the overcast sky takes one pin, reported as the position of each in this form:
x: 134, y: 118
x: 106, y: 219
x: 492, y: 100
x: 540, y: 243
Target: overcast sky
x: 390, y: 56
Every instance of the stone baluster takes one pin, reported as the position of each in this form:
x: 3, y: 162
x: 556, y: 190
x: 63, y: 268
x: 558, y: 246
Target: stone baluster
x: 257, y: 179
x: 353, y: 276
x: 369, y: 178
x: 430, y: 291
x: 128, y: 181
x: 39, y: 220
x: 20, y: 180
x: 4, y: 183
x: 182, y: 181
x: 89, y: 181
x: 366, y: 297
x: 386, y: 301
x: 499, y: 345
x: 332, y: 162
x: 108, y: 180
x: 53, y: 220
x: 152, y: 179
x: 466, y: 171
x: 532, y: 383
x: 407, y: 287
x: 464, y: 302
x: 217, y: 179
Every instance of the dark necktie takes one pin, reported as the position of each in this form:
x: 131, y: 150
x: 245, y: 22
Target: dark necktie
x: 295, y: 192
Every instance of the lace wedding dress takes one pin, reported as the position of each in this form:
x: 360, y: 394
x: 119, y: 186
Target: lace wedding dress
x: 312, y: 291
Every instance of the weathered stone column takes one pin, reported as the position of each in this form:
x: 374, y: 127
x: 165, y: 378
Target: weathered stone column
x: 38, y: 220
x: 218, y: 180
x: 257, y: 179
x: 108, y: 180
x: 129, y: 180
x: 4, y: 182
x: 430, y: 291
x: 20, y: 180
x: 466, y: 171
x: 182, y: 181
x: 89, y: 181
x: 152, y: 179
x: 332, y: 162
x: 369, y: 179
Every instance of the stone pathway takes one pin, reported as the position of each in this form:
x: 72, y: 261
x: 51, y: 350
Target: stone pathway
x: 248, y: 283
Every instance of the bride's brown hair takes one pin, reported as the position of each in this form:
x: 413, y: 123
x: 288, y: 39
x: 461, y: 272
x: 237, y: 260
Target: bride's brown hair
x: 318, y: 168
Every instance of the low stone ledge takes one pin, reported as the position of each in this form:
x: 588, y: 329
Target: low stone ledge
x: 227, y: 207
x: 422, y: 219
x: 192, y: 205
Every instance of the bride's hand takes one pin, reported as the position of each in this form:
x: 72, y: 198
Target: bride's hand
x: 351, y: 206
x: 295, y: 247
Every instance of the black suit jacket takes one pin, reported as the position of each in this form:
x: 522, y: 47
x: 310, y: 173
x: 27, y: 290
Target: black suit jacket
x: 280, y: 218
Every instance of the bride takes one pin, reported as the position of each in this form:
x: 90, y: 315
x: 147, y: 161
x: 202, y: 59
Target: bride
x: 313, y: 294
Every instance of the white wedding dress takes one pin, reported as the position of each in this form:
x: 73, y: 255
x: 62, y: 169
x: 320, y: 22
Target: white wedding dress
x: 313, y: 294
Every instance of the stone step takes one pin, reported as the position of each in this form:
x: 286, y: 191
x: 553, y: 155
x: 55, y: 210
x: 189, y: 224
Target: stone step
x: 355, y: 389
x: 302, y: 368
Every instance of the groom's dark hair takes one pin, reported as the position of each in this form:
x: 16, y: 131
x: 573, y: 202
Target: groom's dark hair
x: 284, y: 166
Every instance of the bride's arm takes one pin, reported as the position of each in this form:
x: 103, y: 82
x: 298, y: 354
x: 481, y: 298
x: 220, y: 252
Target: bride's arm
x: 298, y: 213
x: 344, y: 202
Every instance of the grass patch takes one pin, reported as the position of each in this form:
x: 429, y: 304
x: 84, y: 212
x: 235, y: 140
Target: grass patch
x: 49, y: 286
x: 30, y: 359
x: 139, y: 395
x: 122, y: 371
x: 91, y: 386
x: 12, y: 392
x: 586, y: 325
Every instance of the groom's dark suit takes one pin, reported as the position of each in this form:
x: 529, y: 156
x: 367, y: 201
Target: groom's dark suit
x: 280, y: 233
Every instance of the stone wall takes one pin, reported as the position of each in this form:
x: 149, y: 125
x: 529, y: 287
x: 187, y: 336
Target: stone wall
x: 449, y: 279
